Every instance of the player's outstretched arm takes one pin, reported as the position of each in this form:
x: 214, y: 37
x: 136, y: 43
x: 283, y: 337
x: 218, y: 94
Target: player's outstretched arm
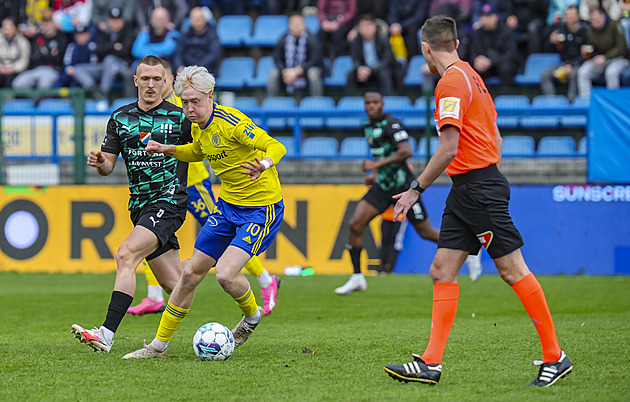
x: 154, y: 147
x: 104, y: 162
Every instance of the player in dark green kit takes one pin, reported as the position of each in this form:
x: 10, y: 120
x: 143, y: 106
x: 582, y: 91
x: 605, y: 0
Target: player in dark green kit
x: 158, y: 197
x: 389, y: 146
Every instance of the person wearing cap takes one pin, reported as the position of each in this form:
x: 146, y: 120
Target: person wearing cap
x: 79, y: 52
x: 102, y: 11
x: 493, y: 49
x: 113, y: 48
x: 46, y: 60
x: 199, y: 45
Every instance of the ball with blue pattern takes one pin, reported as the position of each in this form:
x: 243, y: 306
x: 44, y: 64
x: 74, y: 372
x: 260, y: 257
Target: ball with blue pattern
x: 213, y: 341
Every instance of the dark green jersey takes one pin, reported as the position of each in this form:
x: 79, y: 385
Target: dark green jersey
x: 383, y: 137
x: 151, y: 178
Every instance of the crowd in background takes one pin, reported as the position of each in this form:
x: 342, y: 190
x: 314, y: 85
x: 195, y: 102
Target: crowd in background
x: 95, y: 44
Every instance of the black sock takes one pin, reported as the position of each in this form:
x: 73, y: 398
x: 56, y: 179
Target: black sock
x: 355, y: 256
x: 117, y: 309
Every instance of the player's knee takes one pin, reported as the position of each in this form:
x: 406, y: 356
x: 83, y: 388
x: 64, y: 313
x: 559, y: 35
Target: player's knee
x: 356, y: 226
x: 225, y: 277
x: 125, y: 258
x: 189, y: 279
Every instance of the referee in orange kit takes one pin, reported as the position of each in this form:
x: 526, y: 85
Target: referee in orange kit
x: 477, y: 208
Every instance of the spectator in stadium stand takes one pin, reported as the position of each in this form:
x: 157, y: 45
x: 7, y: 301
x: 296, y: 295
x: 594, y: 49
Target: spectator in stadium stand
x: 566, y: 40
x: 81, y: 51
x: 406, y: 17
x: 158, y: 39
x: 31, y: 17
x: 493, y: 48
x: 46, y: 59
x: 113, y: 47
x: 617, y: 10
x: 556, y: 10
x: 299, y: 61
x: 200, y: 45
x: 374, y: 62
x: 284, y: 6
x: 14, y: 52
x: 69, y: 14
x: 606, y: 53
x: 527, y: 19
x: 336, y: 18
x: 177, y: 9
x: 101, y: 12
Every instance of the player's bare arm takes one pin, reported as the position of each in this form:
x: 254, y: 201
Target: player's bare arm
x: 403, y: 152
x: 104, y: 162
x: 255, y: 169
x: 443, y: 156
x: 499, y: 142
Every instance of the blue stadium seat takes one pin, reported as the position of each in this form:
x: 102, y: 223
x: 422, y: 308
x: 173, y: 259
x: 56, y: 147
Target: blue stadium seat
x: 421, y: 104
x: 93, y: 106
x: 582, y: 146
x: 289, y: 144
x: 235, y: 72
x: 119, y: 102
x: 397, y: 103
x: 339, y: 70
x: 550, y: 104
x: 267, y: 30
x: 581, y: 104
x: 312, y: 23
x: 234, y: 30
x: 279, y: 103
x: 556, y: 146
x: 263, y: 68
x: 59, y: 106
x: 413, y: 78
x: 507, y: 121
x: 492, y: 81
x: 540, y: 122
x: 322, y: 104
x: 18, y: 105
x: 434, y: 143
x: 512, y: 104
x: 575, y: 121
x: 414, y: 122
x: 246, y: 104
x: 535, y: 64
x: 320, y: 147
x: 518, y: 145
x: 413, y: 144
x: 355, y: 147
x: 355, y: 107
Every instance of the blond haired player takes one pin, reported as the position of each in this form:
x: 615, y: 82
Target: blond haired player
x: 200, y: 204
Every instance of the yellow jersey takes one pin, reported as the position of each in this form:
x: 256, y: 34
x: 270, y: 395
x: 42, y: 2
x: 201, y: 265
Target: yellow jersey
x: 197, y: 171
x: 229, y: 139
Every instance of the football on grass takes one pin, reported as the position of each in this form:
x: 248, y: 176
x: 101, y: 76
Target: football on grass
x: 213, y: 341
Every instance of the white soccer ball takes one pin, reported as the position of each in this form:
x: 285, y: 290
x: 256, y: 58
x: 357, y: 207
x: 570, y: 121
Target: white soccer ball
x: 213, y: 341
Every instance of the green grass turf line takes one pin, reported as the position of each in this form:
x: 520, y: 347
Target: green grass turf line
x: 315, y: 345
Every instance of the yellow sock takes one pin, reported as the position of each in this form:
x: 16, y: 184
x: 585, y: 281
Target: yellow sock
x: 171, y: 317
x: 151, y: 280
x: 254, y: 266
x: 247, y: 303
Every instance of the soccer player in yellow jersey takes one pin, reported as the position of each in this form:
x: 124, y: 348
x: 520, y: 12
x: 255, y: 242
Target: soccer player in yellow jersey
x: 200, y: 204
x: 247, y: 214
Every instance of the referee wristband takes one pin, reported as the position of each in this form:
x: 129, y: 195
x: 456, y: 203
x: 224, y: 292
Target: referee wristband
x: 265, y: 163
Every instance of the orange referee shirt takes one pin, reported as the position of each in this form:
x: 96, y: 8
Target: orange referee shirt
x: 462, y: 100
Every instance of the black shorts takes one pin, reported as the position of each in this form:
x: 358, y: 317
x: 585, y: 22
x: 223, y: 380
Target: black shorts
x: 163, y: 219
x: 477, y: 213
x: 381, y: 200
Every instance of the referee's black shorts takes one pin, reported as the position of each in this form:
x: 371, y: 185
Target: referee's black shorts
x: 477, y: 213
x: 163, y: 219
x: 381, y: 200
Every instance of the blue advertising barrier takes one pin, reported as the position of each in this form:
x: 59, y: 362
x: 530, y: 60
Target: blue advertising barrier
x: 609, y: 136
x: 567, y: 229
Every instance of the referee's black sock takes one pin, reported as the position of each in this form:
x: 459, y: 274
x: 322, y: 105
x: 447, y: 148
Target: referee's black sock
x: 355, y: 256
x: 117, y: 309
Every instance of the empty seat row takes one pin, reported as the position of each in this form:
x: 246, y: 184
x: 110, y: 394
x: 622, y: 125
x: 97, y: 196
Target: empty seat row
x: 524, y: 146
x: 265, y: 31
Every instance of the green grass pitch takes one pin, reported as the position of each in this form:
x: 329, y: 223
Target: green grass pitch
x: 316, y: 345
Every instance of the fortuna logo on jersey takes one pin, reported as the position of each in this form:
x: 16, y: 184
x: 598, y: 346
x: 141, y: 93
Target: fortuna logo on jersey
x: 449, y: 107
x: 145, y: 137
x: 485, y: 238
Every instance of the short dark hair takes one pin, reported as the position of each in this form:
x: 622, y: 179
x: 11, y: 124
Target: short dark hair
x: 373, y: 91
x: 151, y: 60
x: 440, y: 32
x: 167, y: 67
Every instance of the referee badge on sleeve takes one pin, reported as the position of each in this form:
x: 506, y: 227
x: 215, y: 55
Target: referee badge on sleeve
x: 449, y: 107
